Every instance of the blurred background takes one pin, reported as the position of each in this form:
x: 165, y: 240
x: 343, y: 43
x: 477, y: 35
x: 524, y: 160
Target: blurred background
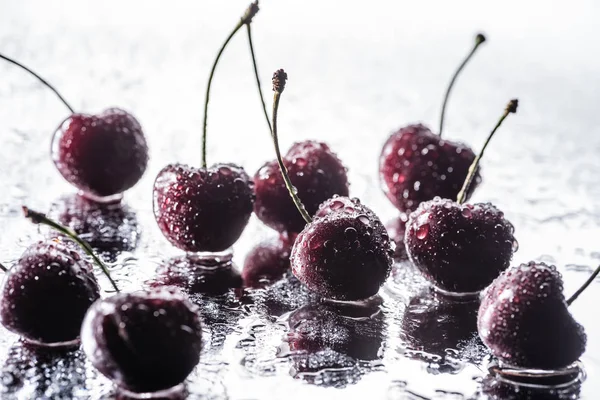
x: 357, y: 71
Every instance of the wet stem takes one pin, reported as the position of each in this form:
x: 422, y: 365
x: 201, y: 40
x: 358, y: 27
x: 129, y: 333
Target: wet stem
x: 39, y: 218
x: 584, y: 286
x: 284, y: 173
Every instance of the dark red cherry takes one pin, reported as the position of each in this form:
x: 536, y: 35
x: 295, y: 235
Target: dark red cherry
x: 267, y: 262
x: 198, y: 275
x: 417, y: 165
x: 317, y: 174
x: 46, y: 294
x: 459, y: 248
x: 396, y: 228
x: 525, y: 322
x: 144, y: 341
x: 102, y: 155
x: 202, y: 210
x: 344, y: 253
x: 107, y: 227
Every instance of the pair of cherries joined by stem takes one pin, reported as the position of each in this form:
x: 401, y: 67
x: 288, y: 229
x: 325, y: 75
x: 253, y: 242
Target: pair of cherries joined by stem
x: 102, y: 155
x: 145, y: 342
x: 417, y: 165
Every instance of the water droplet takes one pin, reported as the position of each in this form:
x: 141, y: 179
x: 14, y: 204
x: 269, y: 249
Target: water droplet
x: 364, y: 219
x: 336, y: 205
x: 300, y: 162
x: 515, y: 246
x: 466, y: 212
x: 350, y: 233
x: 423, y: 231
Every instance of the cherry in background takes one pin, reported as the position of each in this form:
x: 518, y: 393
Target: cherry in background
x: 267, y: 262
x: 205, y: 210
x: 345, y: 252
x: 102, y: 155
x: 417, y: 165
x: 461, y: 248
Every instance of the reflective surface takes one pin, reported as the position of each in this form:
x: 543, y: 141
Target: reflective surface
x: 356, y: 73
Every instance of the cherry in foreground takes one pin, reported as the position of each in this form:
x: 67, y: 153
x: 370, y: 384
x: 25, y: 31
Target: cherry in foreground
x: 102, y: 155
x: 144, y: 342
x: 345, y: 252
x: 524, y: 319
x: 461, y: 248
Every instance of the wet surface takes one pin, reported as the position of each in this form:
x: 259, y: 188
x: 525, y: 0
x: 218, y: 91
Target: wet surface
x: 384, y: 66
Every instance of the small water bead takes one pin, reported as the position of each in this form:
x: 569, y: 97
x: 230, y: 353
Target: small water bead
x: 336, y: 205
x: 300, y: 162
x: 515, y: 245
x: 423, y: 231
x: 364, y: 219
x: 466, y: 212
x: 350, y: 233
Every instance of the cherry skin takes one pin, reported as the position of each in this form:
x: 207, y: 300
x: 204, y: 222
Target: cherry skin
x: 524, y: 320
x: 197, y: 275
x: 144, y: 341
x: 417, y: 165
x: 102, y: 155
x: 46, y: 294
x: 317, y: 174
x: 345, y: 253
x: 202, y: 210
x: 459, y: 248
x: 267, y: 262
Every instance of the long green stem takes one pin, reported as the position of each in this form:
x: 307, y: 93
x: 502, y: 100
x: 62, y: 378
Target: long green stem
x: 279, y: 78
x: 479, y: 39
x: 510, y: 108
x: 262, y: 99
x: 584, y: 286
x: 48, y: 85
x: 40, y: 218
x: 245, y: 20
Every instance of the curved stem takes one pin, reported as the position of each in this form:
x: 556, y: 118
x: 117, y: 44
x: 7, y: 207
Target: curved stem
x: 510, y: 108
x: 262, y: 99
x: 49, y: 86
x: 39, y: 218
x: 3, y: 268
x: 584, y: 286
x: 284, y: 173
x: 478, y: 40
x: 210, y: 78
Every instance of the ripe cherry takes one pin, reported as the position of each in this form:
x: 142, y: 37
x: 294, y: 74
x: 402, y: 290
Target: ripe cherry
x: 345, y: 252
x: 417, y: 165
x: 267, y: 262
x: 102, y: 155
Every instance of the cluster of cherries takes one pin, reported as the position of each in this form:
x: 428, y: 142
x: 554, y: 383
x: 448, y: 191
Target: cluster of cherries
x: 150, y: 341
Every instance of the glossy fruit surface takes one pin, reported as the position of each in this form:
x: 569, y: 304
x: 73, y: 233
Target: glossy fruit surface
x: 267, y: 262
x: 524, y: 320
x: 46, y: 294
x: 102, y: 155
x: 202, y: 210
x: 417, y: 165
x: 459, y: 248
x: 345, y: 253
x: 315, y: 171
x: 144, y: 341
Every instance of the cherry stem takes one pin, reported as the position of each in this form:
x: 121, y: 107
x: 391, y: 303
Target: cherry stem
x: 262, y: 98
x: 245, y: 20
x: 40, y: 218
x: 584, y: 286
x: 479, y: 39
x: 279, y: 78
x: 49, y: 86
x: 3, y: 268
x: 510, y: 108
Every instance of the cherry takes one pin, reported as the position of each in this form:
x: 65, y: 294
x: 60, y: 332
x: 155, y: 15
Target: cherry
x: 202, y: 209
x: 144, y: 341
x: 345, y: 252
x: 107, y: 227
x: 460, y: 247
x: 314, y: 170
x: 102, y: 155
x: 46, y: 294
x: 198, y: 275
x: 266, y: 262
x: 416, y: 165
x: 524, y: 320
x: 206, y: 209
